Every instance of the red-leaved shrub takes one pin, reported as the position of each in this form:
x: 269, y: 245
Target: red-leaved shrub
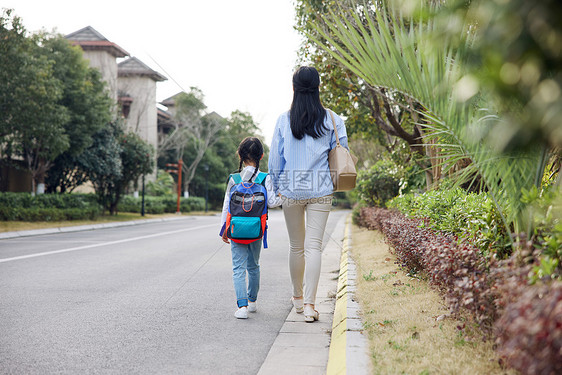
x: 529, y: 332
x: 526, y: 320
x: 457, y: 269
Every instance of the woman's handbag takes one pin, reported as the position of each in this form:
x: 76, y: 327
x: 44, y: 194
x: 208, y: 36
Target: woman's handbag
x: 342, y: 164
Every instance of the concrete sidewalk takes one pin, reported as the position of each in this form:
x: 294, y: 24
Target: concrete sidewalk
x: 335, y: 343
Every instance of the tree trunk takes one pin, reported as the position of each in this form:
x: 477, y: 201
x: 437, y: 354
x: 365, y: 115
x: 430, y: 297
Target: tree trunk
x: 114, y: 203
x: 394, y: 128
x: 38, y: 169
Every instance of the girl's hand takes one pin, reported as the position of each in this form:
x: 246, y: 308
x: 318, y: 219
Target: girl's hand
x: 224, y: 237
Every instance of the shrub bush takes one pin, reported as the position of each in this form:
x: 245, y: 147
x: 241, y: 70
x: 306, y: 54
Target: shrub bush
x: 378, y: 184
x: 464, y: 215
x: 544, y: 215
x: 193, y: 204
x: 47, y: 207
x: 526, y: 321
x: 342, y: 200
x: 15, y: 200
x: 458, y: 269
x: 529, y: 333
x: 47, y: 214
x: 159, y: 205
x: 163, y: 186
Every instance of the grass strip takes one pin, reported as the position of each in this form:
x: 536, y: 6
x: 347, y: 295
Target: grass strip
x: 407, y: 322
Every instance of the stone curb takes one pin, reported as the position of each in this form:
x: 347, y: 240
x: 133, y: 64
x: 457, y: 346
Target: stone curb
x: 348, y: 346
x: 80, y: 228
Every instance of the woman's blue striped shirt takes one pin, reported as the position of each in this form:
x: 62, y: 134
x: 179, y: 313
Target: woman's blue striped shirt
x: 299, y: 168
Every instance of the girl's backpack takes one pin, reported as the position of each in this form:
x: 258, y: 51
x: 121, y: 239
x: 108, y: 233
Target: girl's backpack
x: 246, y: 220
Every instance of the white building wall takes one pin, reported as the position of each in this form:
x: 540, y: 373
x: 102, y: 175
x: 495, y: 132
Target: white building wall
x: 107, y: 65
x: 143, y: 116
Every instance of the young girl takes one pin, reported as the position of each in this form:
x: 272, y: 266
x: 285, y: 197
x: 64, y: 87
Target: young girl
x: 245, y: 257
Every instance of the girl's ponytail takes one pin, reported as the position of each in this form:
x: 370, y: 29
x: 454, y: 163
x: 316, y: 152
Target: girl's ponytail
x: 255, y: 170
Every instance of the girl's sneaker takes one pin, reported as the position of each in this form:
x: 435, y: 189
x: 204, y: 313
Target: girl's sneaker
x: 242, y: 313
x: 252, y: 306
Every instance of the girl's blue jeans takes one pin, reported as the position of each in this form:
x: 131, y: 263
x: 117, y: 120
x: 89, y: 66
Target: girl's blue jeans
x: 246, y: 258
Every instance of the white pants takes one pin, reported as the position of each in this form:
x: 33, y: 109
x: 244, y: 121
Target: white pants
x: 305, y: 238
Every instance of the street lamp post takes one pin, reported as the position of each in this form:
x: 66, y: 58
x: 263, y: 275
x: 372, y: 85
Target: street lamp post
x: 142, y: 205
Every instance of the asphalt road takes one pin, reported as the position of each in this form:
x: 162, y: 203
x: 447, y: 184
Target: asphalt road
x: 147, y: 299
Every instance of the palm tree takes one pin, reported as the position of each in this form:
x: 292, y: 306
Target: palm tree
x: 404, y: 54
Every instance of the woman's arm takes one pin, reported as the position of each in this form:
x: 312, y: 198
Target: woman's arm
x: 276, y: 160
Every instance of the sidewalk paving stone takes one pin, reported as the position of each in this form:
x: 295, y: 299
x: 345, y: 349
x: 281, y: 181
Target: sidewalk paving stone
x: 305, y: 348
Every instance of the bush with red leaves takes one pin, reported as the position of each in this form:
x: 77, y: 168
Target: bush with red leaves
x: 457, y: 269
x: 529, y: 333
x: 527, y: 319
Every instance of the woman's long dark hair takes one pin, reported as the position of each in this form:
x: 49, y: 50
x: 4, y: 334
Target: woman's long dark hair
x: 250, y: 149
x: 307, y: 113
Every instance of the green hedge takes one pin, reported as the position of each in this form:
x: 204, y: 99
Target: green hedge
x: 159, y: 205
x: 48, y: 207
x: 465, y: 215
x: 26, y: 200
x: 59, y: 207
x: 378, y: 184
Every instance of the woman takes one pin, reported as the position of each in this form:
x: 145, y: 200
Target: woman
x: 298, y: 164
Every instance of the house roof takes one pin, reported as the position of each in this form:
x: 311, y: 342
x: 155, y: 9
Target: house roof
x: 214, y: 115
x: 171, y: 101
x: 163, y: 115
x: 91, y: 40
x: 134, y: 67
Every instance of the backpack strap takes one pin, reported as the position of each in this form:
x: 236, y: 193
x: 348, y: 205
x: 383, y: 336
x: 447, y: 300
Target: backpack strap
x: 235, y: 177
x: 260, y: 178
x: 265, y: 238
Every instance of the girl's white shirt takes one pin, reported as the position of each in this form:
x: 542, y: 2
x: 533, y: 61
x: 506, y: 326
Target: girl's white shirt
x: 273, y: 200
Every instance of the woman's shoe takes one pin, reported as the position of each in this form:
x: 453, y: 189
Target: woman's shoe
x: 242, y: 313
x: 310, y: 315
x: 298, y: 304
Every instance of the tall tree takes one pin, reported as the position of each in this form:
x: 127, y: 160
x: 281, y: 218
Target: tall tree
x: 31, y: 118
x: 88, y: 105
x: 114, y: 161
x: 373, y: 113
x: 102, y: 163
x: 15, y: 51
x: 221, y: 157
x: 195, y: 131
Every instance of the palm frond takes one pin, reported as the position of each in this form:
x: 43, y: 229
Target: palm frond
x: 383, y: 51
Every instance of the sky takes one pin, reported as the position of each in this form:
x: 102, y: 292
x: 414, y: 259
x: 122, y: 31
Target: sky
x: 241, y: 53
